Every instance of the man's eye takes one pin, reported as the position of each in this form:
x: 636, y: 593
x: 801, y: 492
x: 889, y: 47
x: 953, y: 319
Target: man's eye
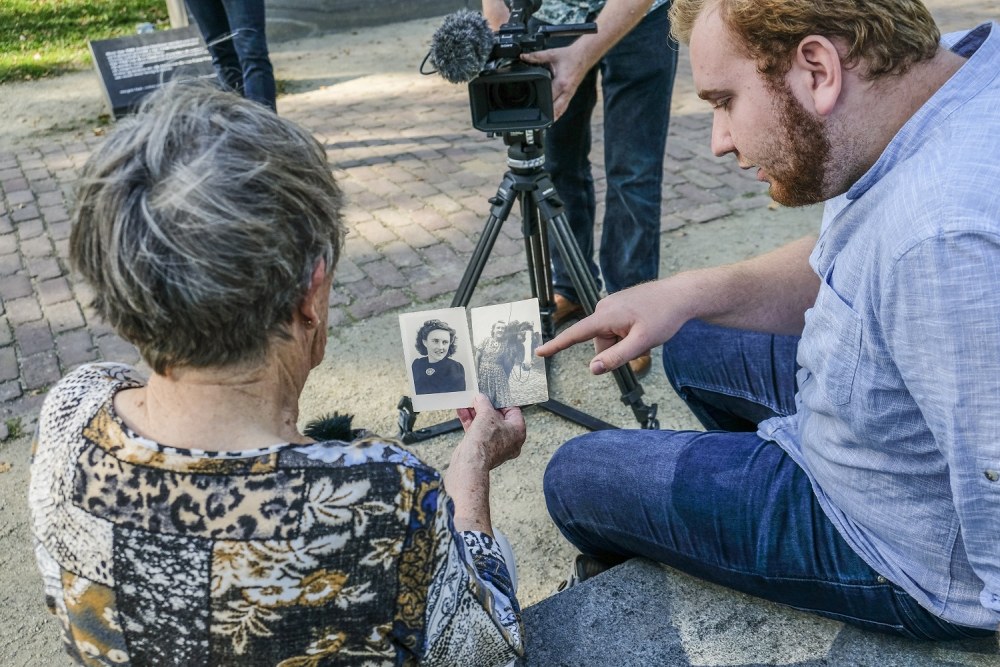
x: 722, y: 104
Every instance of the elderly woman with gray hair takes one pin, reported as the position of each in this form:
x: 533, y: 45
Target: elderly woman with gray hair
x: 185, y: 519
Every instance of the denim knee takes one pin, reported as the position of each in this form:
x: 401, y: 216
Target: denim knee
x: 578, y: 481
x: 560, y: 482
x: 686, y: 347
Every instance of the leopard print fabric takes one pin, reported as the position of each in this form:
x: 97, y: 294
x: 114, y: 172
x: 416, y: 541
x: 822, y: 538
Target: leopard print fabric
x: 333, y: 553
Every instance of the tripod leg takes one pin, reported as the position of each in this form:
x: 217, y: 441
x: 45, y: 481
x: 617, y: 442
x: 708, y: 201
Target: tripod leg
x: 553, y: 217
x: 536, y: 251
x: 501, y: 204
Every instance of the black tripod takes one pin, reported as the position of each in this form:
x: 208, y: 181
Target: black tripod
x: 541, y: 210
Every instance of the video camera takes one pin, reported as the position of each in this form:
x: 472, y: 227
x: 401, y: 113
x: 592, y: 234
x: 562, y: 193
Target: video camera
x: 510, y: 95
x: 505, y: 94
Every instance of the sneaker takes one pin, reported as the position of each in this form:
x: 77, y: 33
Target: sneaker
x: 565, y: 311
x: 584, y: 567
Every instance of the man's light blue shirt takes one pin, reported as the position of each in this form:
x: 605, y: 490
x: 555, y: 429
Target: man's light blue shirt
x: 898, y: 422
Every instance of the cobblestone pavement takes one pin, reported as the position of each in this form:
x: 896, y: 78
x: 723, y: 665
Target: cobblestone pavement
x: 417, y: 179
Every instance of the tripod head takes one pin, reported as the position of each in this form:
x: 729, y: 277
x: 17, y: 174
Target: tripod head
x: 525, y: 150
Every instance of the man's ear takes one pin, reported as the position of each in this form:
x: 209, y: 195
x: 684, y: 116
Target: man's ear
x: 820, y: 72
x: 309, y: 307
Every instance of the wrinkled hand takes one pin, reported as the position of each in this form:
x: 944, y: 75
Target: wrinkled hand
x: 624, y: 325
x: 569, y: 65
x: 491, y: 436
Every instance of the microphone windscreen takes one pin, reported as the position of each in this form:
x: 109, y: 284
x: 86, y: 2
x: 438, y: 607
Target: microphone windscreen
x: 461, y: 47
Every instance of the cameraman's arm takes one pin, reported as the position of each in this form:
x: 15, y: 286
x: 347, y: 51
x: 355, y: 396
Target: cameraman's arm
x: 570, y: 64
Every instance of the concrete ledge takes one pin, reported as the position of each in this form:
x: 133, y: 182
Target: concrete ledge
x: 641, y: 614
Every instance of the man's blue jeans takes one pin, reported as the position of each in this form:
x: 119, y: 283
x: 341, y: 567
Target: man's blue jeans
x: 234, y: 31
x: 637, y: 78
x: 725, y: 505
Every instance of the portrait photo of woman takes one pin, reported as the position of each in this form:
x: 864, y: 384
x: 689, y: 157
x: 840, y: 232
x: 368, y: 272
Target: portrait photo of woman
x: 437, y: 350
x: 436, y: 372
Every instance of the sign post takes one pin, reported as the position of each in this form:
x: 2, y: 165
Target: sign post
x: 178, y: 14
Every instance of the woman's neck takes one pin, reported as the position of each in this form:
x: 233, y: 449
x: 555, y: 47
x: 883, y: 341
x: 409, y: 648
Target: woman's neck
x: 223, y: 409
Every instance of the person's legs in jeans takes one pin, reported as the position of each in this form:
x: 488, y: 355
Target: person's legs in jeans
x: 567, y: 159
x: 210, y: 17
x: 728, y: 507
x: 246, y: 18
x: 637, y: 78
x: 731, y: 379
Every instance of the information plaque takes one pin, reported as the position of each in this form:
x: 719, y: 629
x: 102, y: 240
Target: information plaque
x: 133, y: 66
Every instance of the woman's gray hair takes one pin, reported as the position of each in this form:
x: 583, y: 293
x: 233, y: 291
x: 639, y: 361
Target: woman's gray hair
x: 199, y: 222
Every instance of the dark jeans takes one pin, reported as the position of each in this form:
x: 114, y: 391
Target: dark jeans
x: 726, y: 506
x: 236, y: 39
x: 637, y: 78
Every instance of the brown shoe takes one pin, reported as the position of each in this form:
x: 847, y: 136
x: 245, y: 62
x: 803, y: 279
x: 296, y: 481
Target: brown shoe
x: 565, y: 312
x: 640, y: 365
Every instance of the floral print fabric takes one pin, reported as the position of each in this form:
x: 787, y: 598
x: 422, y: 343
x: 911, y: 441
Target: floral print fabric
x: 326, y: 554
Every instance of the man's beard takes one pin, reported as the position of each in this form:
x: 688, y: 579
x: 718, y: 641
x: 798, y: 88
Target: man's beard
x: 801, y: 155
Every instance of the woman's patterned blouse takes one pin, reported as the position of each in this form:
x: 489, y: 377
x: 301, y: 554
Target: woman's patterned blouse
x: 332, y: 553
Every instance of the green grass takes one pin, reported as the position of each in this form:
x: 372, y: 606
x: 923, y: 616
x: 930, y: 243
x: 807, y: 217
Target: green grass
x: 40, y: 38
x: 15, y: 428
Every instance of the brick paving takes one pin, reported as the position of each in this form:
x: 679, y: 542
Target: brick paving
x: 417, y: 179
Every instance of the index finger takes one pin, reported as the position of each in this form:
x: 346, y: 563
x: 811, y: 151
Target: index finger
x: 580, y: 332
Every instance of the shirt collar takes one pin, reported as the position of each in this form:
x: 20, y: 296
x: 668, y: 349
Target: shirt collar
x: 981, y: 46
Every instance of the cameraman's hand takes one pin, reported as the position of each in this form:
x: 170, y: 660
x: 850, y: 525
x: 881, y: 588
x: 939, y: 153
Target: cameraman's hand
x: 568, y: 65
x: 491, y: 437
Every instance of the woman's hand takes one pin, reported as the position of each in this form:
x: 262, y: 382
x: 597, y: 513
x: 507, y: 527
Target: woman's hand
x: 491, y: 437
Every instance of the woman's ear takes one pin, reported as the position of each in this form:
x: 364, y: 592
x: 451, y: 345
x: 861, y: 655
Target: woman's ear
x: 310, y: 308
x: 819, y: 72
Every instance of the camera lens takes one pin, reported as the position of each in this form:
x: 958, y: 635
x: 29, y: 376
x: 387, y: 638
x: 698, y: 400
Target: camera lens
x: 511, y: 99
x: 512, y: 95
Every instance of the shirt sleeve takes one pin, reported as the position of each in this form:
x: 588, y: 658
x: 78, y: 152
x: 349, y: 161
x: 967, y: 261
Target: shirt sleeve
x: 470, y: 616
x: 943, y: 327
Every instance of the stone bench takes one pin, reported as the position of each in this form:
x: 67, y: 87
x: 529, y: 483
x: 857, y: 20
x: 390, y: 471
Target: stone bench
x: 641, y: 614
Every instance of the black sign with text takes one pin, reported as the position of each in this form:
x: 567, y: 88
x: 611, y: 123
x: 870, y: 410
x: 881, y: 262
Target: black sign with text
x: 131, y: 67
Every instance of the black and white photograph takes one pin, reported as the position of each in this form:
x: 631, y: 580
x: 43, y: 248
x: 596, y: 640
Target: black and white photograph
x: 506, y: 336
x: 438, y: 353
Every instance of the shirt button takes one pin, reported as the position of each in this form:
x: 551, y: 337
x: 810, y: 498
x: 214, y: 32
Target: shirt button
x: 992, y: 475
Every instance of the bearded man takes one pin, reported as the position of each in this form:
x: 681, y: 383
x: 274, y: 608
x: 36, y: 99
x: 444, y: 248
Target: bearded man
x: 850, y: 383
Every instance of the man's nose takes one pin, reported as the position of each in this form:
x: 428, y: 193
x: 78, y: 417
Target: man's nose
x: 722, y: 138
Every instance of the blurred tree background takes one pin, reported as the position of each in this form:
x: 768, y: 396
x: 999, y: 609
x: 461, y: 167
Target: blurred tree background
x: 40, y: 38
